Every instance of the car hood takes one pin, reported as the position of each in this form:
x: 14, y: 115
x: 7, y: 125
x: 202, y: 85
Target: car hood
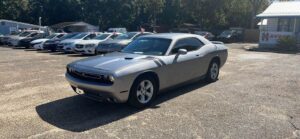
x: 124, y: 42
x: 17, y: 38
x: 39, y: 40
x: 89, y: 42
x: 70, y: 41
x: 113, y: 62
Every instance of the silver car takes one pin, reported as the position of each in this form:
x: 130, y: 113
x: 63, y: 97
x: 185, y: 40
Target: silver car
x: 147, y: 66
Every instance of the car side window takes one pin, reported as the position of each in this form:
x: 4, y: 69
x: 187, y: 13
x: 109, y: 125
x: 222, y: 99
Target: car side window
x: 114, y: 36
x: 190, y: 44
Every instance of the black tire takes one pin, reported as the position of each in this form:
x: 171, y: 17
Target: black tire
x: 213, y: 71
x: 53, y: 50
x: 134, y: 99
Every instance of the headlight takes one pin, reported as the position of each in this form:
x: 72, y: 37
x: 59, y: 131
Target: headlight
x: 111, y: 78
x: 90, y: 45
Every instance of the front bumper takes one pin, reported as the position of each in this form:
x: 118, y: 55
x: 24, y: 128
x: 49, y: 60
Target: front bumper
x: 68, y: 48
x: 38, y: 46
x: 118, y: 92
x: 85, y: 51
x: 49, y: 46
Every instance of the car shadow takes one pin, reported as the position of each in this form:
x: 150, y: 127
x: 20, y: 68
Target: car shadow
x: 19, y: 48
x: 57, y: 53
x: 78, y: 114
x: 77, y: 55
x: 43, y: 51
x: 30, y: 50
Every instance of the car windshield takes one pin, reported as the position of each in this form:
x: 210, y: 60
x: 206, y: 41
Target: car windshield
x: 202, y: 33
x: 15, y: 33
x: 51, y: 36
x: 24, y: 34
x: 226, y: 33
x: 68, y: 36
x: 79, y: 36
x: 34, y: 34
x: 126, y: 36
x: 102, y: 37
x: 148, y: 46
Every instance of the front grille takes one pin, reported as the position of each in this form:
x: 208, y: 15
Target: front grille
x: 79, y: 46
x: 89, y: 77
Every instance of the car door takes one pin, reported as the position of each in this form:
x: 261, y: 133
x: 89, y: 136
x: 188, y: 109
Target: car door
x: 185, y: 67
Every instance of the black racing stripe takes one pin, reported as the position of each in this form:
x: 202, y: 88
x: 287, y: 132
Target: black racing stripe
x: 157, y: 62
x: 162, y: 62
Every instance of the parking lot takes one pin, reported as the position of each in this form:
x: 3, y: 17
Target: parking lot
x: 257, y: 96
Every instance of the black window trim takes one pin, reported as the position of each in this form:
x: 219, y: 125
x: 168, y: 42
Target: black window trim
x: 170, y: 53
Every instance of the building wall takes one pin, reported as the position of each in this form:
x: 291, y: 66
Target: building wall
x: 272, y: 25
x: 269, y: 34
x: 6, y: 27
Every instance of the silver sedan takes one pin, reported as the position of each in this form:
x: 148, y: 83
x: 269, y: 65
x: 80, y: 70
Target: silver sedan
x: 146, y: 67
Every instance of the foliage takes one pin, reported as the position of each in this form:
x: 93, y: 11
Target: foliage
x: 287, y: 43
x: 132, y: 13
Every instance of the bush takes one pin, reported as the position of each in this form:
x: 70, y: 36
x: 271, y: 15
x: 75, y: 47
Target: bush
x: 287, y: 43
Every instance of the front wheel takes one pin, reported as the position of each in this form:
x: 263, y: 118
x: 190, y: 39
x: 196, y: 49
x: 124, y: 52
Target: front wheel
x: 213, y: 71
x: 53, y: 50
x: 143, y: 92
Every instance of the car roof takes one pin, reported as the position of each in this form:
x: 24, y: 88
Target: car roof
x: 172, y: 36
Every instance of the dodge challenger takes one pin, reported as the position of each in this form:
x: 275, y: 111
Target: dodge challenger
x: 146, y: 67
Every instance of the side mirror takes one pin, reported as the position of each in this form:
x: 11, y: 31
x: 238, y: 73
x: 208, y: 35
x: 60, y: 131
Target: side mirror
x: 182, y: 52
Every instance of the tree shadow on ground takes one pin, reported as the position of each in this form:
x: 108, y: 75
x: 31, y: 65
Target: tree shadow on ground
x: 78, y: 114
x: 273, y: 50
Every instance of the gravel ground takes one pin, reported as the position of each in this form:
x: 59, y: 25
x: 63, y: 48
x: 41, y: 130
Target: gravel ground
x: 256, y: 97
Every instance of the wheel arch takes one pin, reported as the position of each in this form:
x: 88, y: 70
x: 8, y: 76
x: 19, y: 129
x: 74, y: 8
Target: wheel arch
x: 150, y: 74
x: 217, y: 59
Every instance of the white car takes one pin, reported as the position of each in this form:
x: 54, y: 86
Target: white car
x: 68, y: 45
x: 39, y: 43
x: 14, y: 41
x: 88, y: 47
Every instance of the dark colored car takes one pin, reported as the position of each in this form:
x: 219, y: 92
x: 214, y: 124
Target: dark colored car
x: 4, y: 39
x: 119, y: 42
x: 230, y: 36
x: 26, y: 41
x: 52, y: 43
x: 205, y: 34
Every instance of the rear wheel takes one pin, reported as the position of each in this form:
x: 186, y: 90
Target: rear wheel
x: 143, y: 92
x: 213, y: 71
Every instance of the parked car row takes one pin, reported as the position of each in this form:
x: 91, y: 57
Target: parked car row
x: 228, y: 36
x: 133, y: 67
x: 85, y: 43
